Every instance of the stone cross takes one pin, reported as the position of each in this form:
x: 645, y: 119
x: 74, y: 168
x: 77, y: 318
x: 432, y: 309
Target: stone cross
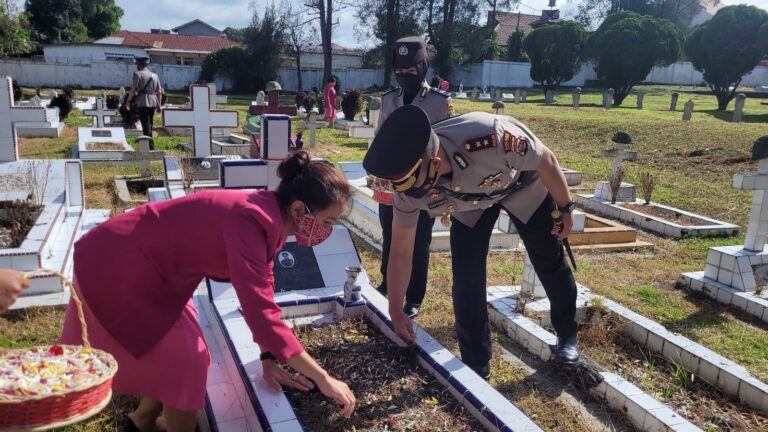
x: 758, y: 217
x: 122, y: 94
x: 201, y: 118
x: 640, y: 96
x: 10, y: 115
x: 485, y: 89
x: 688, y: 110
x: 260, y: 99
x: 99, y: 113
x: 143, y: 156
x: 608, y: 98
x: 738, y: 110
x: 619, y: 157
x: 473, y: 95
x: 525, y: 95
x: 103, y: 94
x: 518, y: 96
x: 673, y: 103
x: 215, y: 98
x: 548, y: 97
x: 576, y: 95
x: 313, y: 124
x: 461, y: 88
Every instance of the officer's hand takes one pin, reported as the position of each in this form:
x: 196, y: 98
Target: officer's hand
x: 11, y: 284
x: 567, y: 226
x: 403, y: 325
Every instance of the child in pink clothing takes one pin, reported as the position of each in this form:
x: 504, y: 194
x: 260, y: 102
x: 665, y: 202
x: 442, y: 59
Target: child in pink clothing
x: 137, y: 272
x: 329, y: 101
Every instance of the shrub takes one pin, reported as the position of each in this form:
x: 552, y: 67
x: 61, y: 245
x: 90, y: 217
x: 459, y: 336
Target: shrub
x: 647, y: 184
x: 130, y: 117
x: 305, y: 100
x: 614, y: 180
x: 555, y: 51
x: 351, y: 103
x: 113, y: 101
x: 69, y: 91
x: 64, y: 103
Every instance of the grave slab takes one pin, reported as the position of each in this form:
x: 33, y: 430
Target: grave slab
x: 50, y: 128
x: 90, y: 139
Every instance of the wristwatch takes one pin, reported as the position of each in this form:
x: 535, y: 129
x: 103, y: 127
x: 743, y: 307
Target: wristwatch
x: 266, y: 355
x: 568, y: 208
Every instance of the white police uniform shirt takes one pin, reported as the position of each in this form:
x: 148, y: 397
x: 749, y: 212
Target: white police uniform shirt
x: 489, y: 154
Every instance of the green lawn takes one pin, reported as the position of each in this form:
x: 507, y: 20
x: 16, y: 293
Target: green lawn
x: 642, y: 281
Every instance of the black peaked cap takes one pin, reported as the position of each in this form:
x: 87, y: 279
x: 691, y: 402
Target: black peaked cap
x: 400, y: 142
x: 409, y: 52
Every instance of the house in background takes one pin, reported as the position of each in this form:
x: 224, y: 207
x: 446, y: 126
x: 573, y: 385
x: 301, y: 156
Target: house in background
x: 509, y: 22
x: 343, y: 58
x: 187, y: 46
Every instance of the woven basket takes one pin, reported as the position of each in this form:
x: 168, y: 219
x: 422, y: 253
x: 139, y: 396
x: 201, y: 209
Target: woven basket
x: 44, y: 412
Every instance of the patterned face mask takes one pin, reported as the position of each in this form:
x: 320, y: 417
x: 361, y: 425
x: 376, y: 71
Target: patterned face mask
x: 309, y: 231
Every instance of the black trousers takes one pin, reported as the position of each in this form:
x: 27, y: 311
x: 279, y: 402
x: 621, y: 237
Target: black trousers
x: 146, y: 115
x: 469, y: 253
x: 417, y: 286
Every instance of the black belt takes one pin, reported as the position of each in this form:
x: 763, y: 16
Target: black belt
x: 525, y: 179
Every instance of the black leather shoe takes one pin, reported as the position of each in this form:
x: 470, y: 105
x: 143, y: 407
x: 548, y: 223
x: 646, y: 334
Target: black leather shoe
x: 484, y: 372
x: 411, y: 309
x: 567, y: 351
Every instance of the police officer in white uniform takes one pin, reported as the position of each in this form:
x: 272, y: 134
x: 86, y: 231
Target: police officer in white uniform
x: 410, y: 64
x: 465, y: 170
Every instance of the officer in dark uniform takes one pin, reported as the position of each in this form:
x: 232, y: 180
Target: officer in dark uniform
x: 465, y: 170
x: 410, y: 64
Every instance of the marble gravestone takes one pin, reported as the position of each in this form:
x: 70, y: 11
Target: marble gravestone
x: 688, y: 110
x: 576, y: 97
x: 100, y: 114
x: 113, y: 140
x: 10, y: 116
x: 201, y: 118
x: 738, y: 109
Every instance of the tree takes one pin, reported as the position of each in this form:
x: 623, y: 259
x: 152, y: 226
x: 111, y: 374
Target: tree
x: 727, y: 47
x: 556, y: 52
x: 515, y: 46
x: 494, y: 51
x: 236, y: 34
x: 627, y: 46
x: 265, y: 43
x: 450, y: 27
x: 681, y: 12
x: 228, y: 63
x: 322, y: 10
x: 56, y: 21
x: 14, y: 32
x: 300, y: 36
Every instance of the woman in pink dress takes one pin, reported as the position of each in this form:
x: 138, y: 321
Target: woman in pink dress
x: 329, y: 101
x: 137, y: 272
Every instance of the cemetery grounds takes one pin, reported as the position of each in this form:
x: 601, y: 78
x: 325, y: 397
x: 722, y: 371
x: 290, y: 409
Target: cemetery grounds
x: 694, y: 163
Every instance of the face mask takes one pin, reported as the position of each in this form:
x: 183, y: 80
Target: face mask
x: 411, y: 84
x: 309, y: 231
x: 421, y: 191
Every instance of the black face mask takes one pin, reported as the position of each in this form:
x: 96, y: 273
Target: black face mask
x: 419, y: 192
x: 411, y: 84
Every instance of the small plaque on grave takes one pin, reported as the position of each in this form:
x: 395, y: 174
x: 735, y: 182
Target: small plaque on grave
x: 101, y: 133
x: 206, y: 169
x: 296, y: 268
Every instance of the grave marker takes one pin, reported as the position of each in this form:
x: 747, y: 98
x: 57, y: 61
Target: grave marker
x: 518, y: 96
x: 738, y: 110
x: 576, y: 97
x: 273, y: 106
x: 626, y: 191
x: 461, y: 88
x: 608, y: 98
x: 52, y: 94
x: 313, y: 124
x: 525, y: 95
x: 758, y: 217
x: 201, y: 118
x: 101, y: 116
x: 688, y: 110
x: 143, y: 154
x: 10, y: 115
x: 260, y: 99
x: 215, y: 98
x: 473, y: 94
x: 548, y: 97
x: 673, y: 102
x: 35, y: 101
x: 640, y: 96
x: 122, y: 94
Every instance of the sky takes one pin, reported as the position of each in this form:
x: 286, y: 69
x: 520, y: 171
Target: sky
x: 141, y: 15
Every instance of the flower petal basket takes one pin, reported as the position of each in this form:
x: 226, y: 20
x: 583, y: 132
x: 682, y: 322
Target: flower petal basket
x: 46, y: 403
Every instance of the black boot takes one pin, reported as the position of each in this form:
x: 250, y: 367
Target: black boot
x: 567, y: 351
x: 483, y: 371
x: 411, y: 309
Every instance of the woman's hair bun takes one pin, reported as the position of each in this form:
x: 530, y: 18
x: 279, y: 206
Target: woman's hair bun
x: 295, y: 165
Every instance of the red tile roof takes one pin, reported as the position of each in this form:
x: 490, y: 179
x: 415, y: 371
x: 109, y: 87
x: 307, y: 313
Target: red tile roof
x: 164, y: 41
x: 507, y: 23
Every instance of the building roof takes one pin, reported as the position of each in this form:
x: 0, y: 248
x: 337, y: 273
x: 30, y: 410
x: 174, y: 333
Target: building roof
x: 167, y: 42
x: 196, y: 21
x: 508, y: 22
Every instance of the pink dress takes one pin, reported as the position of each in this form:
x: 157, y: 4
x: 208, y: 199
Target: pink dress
x: 329, y: 101
x: 137, y: 272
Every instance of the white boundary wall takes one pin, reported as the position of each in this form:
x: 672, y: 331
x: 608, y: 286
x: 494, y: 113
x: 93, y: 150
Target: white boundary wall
x: 37, y: 73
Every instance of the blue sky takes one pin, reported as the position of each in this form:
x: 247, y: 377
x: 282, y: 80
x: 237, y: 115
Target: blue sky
x: 141, y: 15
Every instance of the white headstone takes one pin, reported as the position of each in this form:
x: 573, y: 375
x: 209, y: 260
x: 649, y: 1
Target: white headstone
x: 688, y: 110
x: 608, y: 98
x: 101, y: 116
x: 201, y: 118
x: 260, y: 99
x: 673, y: 102
x: 313, y: 124
x: 576, y: 97
x: 461, y: 88
x: 549, y: 97
x: 525, y: 95
x: 758, y: 217
x: 10, y: 114
x: 143, y: 156
x: 738, y: 110
x: 215, y: 98
x: 122, y: 94
x: 518, y: 96
x: 244, y: 174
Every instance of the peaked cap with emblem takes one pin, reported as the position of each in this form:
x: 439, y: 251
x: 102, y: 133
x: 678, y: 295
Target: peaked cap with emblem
x: 409, y: 52
x: 400, y: 142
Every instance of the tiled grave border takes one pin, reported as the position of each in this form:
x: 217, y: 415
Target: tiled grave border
x: 484, y: 402
x: 645, y: 412
x: 746, y: 301
x: 657, y: 225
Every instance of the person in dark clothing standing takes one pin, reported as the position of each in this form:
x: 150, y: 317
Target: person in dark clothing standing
x: 148, y: 92
x: 410, y: 64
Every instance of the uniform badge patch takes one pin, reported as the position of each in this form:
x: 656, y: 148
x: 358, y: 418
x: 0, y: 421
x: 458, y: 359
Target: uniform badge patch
x: 517, y: 144
x: 436, y: 204
x: 481, y: 143
x: 489, y: 180
x: 461, y: 161
x: 403, y: 50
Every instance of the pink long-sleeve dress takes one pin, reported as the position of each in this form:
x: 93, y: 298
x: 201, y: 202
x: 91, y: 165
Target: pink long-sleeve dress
x: 137, y: 272
x: 329, y: 101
